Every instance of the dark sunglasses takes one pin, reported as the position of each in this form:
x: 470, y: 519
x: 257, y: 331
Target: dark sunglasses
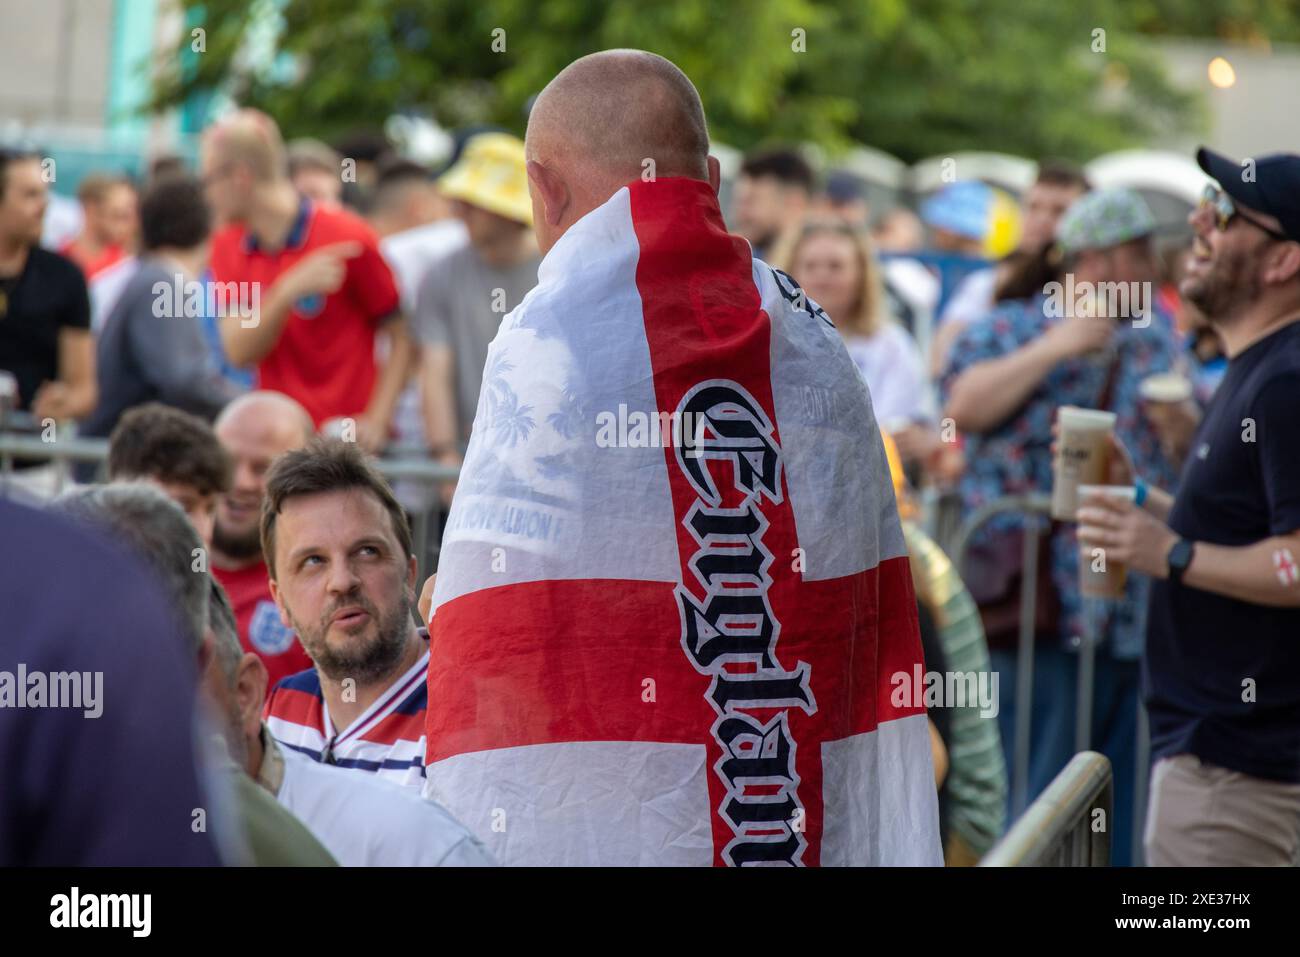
x: 1225, y: 210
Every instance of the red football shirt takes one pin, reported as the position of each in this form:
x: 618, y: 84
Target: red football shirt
x: 325, y: 356
x: 260, y: 629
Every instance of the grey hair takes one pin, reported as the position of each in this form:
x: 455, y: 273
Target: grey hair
x: 225, y: 633
x: 155, y: 528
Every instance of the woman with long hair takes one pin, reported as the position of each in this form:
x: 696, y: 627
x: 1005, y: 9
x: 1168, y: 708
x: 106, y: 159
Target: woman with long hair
x: 837, y: 268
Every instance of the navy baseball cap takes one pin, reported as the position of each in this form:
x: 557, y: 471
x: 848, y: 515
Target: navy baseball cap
x: 1273, y: 189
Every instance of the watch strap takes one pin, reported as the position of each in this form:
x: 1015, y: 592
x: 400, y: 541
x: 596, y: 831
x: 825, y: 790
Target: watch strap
x: 1179, y: 558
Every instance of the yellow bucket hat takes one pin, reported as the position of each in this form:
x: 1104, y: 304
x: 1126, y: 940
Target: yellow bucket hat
x: 491, y: 174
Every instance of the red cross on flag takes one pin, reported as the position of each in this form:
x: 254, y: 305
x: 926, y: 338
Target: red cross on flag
x: 673, y: 587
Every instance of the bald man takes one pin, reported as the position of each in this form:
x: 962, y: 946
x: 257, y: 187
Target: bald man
x: 595, y: 125
x: 671, y: 643
x: 316, y: 285
x: 254, y: 429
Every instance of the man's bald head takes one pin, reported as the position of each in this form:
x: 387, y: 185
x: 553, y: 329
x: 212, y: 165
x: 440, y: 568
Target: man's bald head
x: 251, y: 138
x: 615, y: 109
x: 269, y: 410
x: 255, y: 429
x: 593, y: 127
x: 242, y: 158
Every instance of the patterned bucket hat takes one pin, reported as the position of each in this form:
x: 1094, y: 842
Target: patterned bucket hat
x: 1102, y: 219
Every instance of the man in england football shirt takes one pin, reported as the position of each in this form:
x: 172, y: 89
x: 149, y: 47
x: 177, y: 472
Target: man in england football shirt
x: 338, y: 548
x: 304, y: 287
x: 254, y: 429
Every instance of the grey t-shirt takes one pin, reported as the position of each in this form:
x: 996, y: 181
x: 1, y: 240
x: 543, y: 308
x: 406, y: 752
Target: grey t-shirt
x: 459, y: 306
x: 143, y: 357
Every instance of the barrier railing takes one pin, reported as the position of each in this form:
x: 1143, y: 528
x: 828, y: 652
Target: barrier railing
x: 1068, y: 825
x: 1035, y: 509
x: 66, y: 450
x: 1031, y: 507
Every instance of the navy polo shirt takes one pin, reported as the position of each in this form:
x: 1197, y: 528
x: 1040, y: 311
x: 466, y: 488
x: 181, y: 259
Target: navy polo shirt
x: 1221, y: 676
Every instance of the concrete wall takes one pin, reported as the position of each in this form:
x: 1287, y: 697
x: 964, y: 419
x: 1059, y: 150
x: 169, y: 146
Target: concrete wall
x: 1259, y: 114
x: 55, y: 61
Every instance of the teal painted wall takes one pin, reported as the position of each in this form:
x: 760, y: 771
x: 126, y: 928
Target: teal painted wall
x: 134, y: 22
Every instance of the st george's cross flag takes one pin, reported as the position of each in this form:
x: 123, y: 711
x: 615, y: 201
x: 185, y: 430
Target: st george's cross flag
x: 673, y: 587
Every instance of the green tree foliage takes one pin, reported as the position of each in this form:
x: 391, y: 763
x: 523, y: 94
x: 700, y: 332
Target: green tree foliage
x: 913, y: 77
x: 1258, y: 22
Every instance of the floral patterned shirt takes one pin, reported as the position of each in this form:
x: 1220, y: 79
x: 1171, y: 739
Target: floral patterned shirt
x: 1015, y: 457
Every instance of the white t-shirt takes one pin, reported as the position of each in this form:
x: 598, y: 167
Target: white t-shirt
x: 409, y: 254
x: 107, y: 287
x: 972, y: 299
x: 367, y: 822
x: 63, y: 221
x: 891, y: 364
x: 913, y: 282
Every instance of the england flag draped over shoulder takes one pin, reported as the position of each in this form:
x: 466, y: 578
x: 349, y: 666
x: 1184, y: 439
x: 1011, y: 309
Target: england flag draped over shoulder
x: 673, y: 587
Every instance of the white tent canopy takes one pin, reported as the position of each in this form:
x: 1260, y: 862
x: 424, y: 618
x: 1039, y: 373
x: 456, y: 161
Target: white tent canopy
x: 1156, y: 171
x: 1013, y: 173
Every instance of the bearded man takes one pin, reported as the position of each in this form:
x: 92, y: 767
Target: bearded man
x: 338, y: 553
x: 1221, y: 673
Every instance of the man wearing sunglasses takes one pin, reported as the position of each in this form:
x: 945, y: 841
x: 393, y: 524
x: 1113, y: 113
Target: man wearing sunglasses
x: 1221, y: 677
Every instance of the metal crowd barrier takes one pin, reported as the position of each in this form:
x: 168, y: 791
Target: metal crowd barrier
x: 1035, y: 508
x: 409, y: 467
x: 61, y: 453
x: 1060, y: 829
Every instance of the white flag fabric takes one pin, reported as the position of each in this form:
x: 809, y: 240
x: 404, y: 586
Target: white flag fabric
x: 673, y: 587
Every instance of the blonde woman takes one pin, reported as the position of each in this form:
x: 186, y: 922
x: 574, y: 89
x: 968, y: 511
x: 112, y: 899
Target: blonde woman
x: 836, y: 266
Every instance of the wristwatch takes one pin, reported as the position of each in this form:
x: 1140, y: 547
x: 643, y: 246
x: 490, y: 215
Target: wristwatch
x: 1179, y: 557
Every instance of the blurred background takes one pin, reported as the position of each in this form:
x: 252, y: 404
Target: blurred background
x: 883, y: 89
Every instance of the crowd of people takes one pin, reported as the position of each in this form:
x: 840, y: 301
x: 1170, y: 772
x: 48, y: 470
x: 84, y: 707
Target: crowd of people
x: 247, y: 335
x: 998, y: 366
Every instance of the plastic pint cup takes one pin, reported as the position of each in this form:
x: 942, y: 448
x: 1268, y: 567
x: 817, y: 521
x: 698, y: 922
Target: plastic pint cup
x: 1165, y: 387
x: 1082, y: 454
x: 1162, y: 393
x: 1099, y: 576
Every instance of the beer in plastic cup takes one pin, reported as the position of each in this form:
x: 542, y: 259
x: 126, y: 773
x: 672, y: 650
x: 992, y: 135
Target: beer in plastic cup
x: 1099, y: 575
x: 1161, y: 393
x: 1167, y: 387
x: 1082, y: 454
